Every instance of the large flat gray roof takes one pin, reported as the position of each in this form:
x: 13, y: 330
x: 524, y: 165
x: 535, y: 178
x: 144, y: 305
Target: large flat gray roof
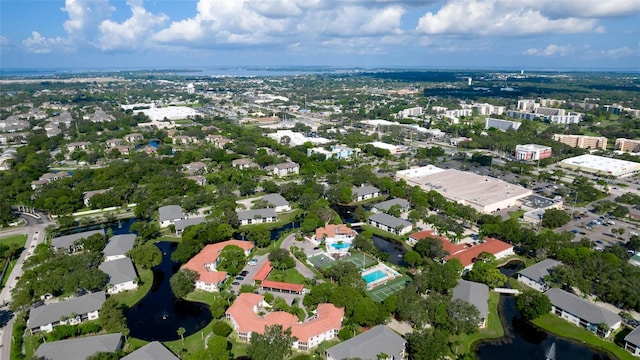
x: 79, y: 348
x: 119, y: 244
x: 152, y: 351
x: 364, y: 190
x: 251, y: 214
x: 275, y: 200
x: 633, y: 337
x: 170, y: 212
x: 368, y: 345
x: 49, y: 313
x: 184, y: 223
x: 119, y: 271
x: 390, y: 221
x: 386, y: 205
x: 538, y: 271
x: 579, y: 307
x: 65, y: 241
x: 474, y: 293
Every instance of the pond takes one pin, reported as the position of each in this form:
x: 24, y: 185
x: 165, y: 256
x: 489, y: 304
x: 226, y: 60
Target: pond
x: 395, y: 250
x: 526, y: 342
x: 159, y: 314
x: 118, y: 227
x: 512, y: 267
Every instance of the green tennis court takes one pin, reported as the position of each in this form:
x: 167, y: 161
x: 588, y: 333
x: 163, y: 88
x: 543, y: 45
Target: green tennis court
x: 321, y: 261
x: 361, y: 260
x: 380, y: 293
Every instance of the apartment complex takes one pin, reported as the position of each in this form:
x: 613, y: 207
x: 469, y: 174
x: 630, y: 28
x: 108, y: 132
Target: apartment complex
x: 628, y: 145
x: 582, y: 141
x: 532, y: 152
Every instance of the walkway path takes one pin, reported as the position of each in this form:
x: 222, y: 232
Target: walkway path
x: 302, y: 268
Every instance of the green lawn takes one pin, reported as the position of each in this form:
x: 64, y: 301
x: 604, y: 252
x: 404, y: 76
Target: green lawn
x: 202, y: 296
x: 558, y: 326
x: 130, y: 298
x: 290, y: 276
x: 384, y: 234
x: 493, y: 330
x: 516, y: 214
x: 192, y: 343
x: 15, y: 239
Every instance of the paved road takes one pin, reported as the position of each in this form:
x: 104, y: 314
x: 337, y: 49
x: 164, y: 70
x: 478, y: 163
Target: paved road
x: 302, y: 268
x: 35, y: 231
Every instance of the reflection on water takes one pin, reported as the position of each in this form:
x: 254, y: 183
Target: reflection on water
x: 523, y: 341
x: 159, y: 314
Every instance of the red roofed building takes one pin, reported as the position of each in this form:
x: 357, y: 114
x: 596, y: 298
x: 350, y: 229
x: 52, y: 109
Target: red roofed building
x: 338, y: 232
x: 206, y: 262
x: 279, y: 286
x: 243, y: 314
x: 447, y: 245
x: 264, y: 271
x: 497, y: 248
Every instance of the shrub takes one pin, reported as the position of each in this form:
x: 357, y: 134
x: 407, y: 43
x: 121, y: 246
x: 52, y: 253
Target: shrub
x: 221, y: 328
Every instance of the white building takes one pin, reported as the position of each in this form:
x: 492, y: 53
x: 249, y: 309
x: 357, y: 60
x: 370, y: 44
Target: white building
x: 500, y: 124
x: 534, y: 276
x: 170, y: 214
x: 393, y: 149
x: 414, y: 111
x: 84, y: 308
x: 122, y: 275
x: 565, y: 119
x: 532, y: 152
x: 600, y: 165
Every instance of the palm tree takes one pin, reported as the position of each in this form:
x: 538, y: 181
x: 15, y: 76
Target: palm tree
x: 181, y: 332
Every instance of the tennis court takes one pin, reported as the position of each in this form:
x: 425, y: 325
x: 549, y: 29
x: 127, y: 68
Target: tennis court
x: 380, y: 293
x: 321, y: 261
x: 362, y: 261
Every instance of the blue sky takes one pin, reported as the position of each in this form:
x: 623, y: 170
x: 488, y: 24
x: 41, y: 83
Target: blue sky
x: 526, y: 34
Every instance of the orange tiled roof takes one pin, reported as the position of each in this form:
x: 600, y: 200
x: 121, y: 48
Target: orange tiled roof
x: 282, y: 285
x: 243, y: 312
x: 447, y: 245
x: 264, y: 271
x: 208, y: 255
x: 333, y: 230
x: 491, y: 245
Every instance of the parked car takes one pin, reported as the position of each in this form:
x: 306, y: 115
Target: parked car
x: 253, y: 262
x: 235, y: 283
x: 239, y: 278
x: 244, y: 273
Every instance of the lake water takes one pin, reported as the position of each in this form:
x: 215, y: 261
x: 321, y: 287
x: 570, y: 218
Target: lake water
x: 159, y: 314
x: 523, y: 341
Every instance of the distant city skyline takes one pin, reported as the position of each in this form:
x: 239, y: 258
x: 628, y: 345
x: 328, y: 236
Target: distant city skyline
x: 470, y: 34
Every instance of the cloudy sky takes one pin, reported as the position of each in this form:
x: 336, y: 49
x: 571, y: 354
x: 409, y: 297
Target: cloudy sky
x: 527, y: 34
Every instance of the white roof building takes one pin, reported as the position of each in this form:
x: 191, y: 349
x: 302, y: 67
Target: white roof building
x: 601, y: 165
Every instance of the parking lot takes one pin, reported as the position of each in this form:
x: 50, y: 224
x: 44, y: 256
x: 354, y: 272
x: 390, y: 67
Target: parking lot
x: 598, y: 229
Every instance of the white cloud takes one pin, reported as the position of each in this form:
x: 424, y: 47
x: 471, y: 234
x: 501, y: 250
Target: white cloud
x: 499, y: 18
x: 4, y: 41
x: 617, y: 53
x: 584, y: 9
x: 131, y: 33
x: 39, y: 44
x: 551, y: 50
x: 85, y: 16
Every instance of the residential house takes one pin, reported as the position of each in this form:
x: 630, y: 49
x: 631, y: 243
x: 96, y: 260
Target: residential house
x: 112, y: 143
x: 335, y: 233
x: 122, y: 275
x: 386, y: 205
x: 170, y: 214
x: 198, y: 179
x: 632, y: 341
x: 49, y: 177
x: 245, y: 315
x: 205, y: 263
x: 469, y: 255
x: 152, y: 351
x: 278, y: 202
x: 281, y: 287
x: 72, y: 242
x: 337, y: 151
x: 369, y: 345
x: 288, y: 168
x: 85, y: 308
x: 86, y: 197
x: 118, y: 246
x: 184, y: 223
x: 71, y: 147
x: 362, y: 193
x: 193, y: 168
x: 122, y: 149
x: 79, y: 348
x: 390, y: 223
x: 133, y: 138
x: 534, y: 275
x: 243, y: 164
x: 184, y: 140
x: 476, y: 294
x: 581, y: 313
x: 258, y: 216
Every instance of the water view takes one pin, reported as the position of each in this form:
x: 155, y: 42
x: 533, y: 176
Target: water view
x: 159, y: 314
x: 526, y: 342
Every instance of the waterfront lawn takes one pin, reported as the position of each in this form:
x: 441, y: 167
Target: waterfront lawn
x: 130, y: 298
x: 192, y: 343
x: 283, y: 219
x: 466, y: 343
x: 202, y: 296
x: 289, y: 276
x: 14, y: 239
x: 20, y: 240
x: 560, y: 327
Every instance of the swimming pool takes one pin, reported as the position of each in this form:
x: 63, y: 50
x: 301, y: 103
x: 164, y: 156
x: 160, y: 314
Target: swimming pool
x: 341, y: 246
x: 374, y: 276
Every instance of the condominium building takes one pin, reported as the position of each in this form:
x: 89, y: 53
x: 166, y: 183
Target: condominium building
x: 499, y: 124
x: 628, y: 145
x: 566, y: 119
x: 582, y: 141
x: 532, y: 152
